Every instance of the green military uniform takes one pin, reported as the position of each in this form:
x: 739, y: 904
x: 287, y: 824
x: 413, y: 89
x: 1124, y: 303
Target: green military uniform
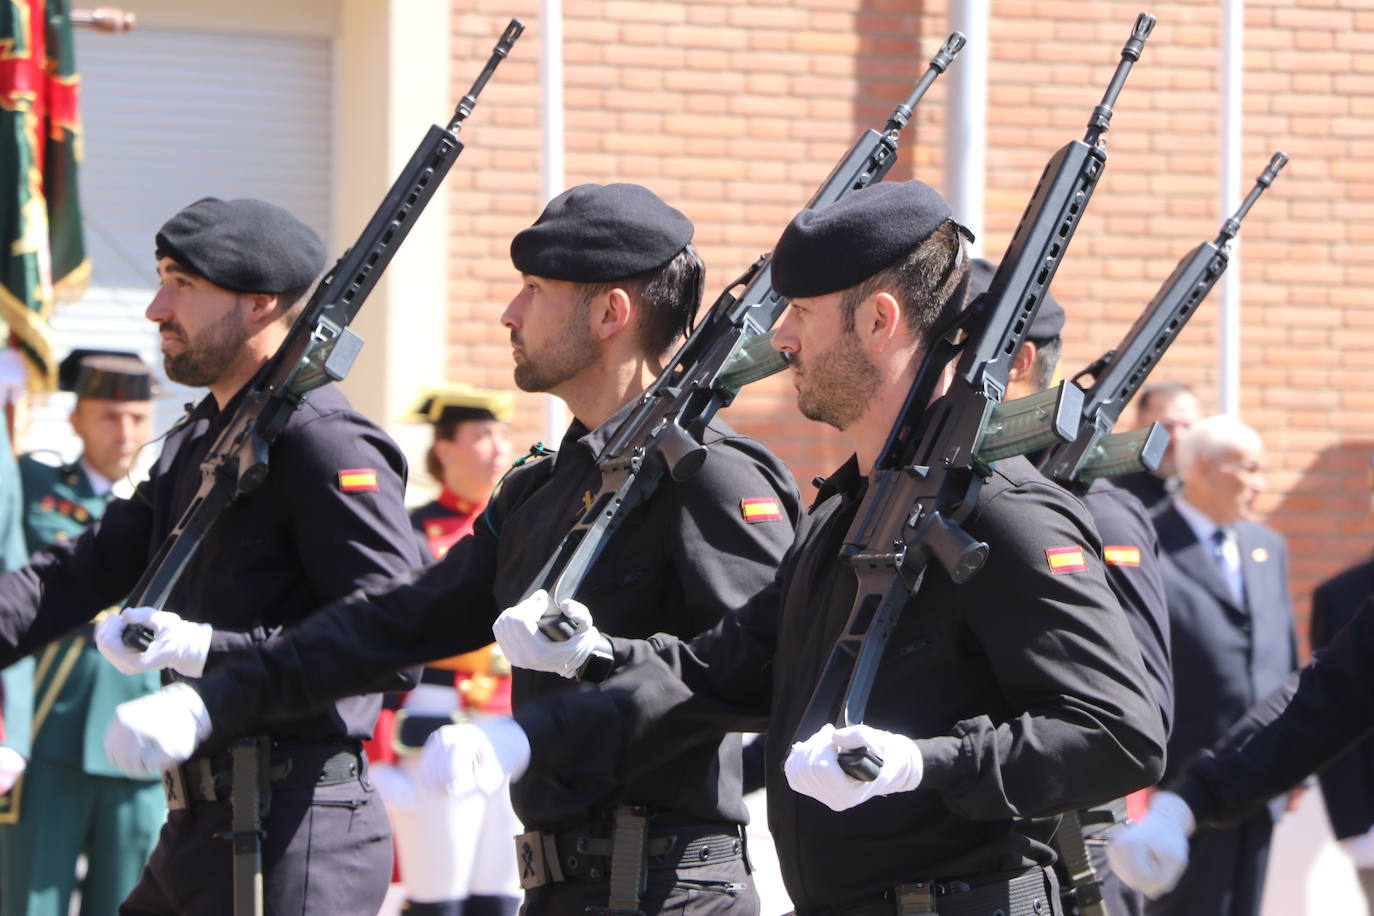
x: 71, y: 799
x: 16, y: 681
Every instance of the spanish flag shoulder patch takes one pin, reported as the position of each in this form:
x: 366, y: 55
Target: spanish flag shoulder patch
x: 356, y: 480
x: 1121, y: 555
x: 1066, y: 559
x: 760, y: 509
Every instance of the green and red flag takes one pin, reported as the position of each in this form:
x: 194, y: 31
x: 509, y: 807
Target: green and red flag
x: 43, y: 260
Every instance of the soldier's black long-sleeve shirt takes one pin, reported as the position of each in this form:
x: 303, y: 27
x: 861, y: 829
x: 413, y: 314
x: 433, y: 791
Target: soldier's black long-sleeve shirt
x: 308, y: 536
x: 679, y: 562
x: 1130, y: 554
x: 1023, y: 689
x: 1314, y: 717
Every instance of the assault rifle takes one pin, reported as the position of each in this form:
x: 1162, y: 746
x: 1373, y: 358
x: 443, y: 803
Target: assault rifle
x: 318, y: 349
x: 1118, y: 374
x: 927, y: 479
x: 729, y: 349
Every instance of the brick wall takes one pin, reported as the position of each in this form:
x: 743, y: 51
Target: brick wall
x: 734, y: 112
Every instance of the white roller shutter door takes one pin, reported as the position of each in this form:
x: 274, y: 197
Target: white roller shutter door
x: 171, y: 116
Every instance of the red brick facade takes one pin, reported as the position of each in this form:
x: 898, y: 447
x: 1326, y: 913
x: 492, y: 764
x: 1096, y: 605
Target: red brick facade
x: 734, y: 112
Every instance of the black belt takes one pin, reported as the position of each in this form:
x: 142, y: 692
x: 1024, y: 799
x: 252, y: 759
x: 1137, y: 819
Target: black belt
x: 547, y: 856
x: 294, y: 764
x: 1033, y: 892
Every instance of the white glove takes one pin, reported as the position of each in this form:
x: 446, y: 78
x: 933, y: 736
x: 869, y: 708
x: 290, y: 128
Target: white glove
x: 395, y: 788
x: 158, y: 730
x: 474, y: 757
x: 12, y: 764
x: 517, y: 630
x: 178, y: 644
x: 1151, y: 856
x: 813, y: 766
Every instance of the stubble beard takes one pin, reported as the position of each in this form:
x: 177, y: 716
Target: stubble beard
x: 569, y: 355
x: 206, y: 359
x: 838, y: 384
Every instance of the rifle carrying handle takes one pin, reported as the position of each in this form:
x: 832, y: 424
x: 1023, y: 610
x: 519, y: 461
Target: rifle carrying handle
x: 860, y: 763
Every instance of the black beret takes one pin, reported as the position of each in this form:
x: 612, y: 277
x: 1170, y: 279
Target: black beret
x: 837, y: 246
x: 1049, y: 318
x: 113, y: 375
x: 247, y: 246
x: 597, y: 233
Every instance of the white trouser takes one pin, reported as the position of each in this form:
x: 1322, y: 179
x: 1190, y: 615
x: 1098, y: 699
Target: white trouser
x: 452, y: 848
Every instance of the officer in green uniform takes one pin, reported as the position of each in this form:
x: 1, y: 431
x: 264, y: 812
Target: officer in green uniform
x: 71, y: 799
x: 16, y: 681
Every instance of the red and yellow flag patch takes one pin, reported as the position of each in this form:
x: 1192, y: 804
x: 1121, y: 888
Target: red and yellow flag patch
x: 1121, y: 555
x: 356, y: 480
x: 1066, y: 559
x: 760, y: 509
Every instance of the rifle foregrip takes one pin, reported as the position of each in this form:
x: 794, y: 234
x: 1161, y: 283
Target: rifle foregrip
x: 861, y: 764
x: 137, y: 636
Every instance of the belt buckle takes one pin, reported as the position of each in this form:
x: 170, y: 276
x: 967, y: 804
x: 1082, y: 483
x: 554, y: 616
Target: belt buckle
x: 174, y: 787
x: 917, y: 898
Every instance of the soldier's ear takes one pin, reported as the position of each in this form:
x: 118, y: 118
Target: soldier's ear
x: 612, y: 312
x: 262, y: 307
x: 1025, y: 357
x: 877, y: 320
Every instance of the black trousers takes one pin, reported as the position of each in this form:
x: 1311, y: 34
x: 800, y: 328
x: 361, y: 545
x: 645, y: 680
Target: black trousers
x: 721, y: 888
x: 327, y: 852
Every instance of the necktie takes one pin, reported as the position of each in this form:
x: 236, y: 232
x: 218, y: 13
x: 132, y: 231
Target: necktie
x: 1230, y: 573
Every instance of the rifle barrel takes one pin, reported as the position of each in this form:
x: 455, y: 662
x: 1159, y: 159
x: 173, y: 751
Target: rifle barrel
x: 1102, y: 115
x: 498, y: 54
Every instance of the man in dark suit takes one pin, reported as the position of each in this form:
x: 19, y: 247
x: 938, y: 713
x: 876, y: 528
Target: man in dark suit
x: 1348, y: 783
x: 1174, y: 406
x: 1232, y: 640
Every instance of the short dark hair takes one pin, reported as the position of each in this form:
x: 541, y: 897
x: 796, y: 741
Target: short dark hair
x: 1159, y: 390
x: 924, y: 281
x: 669, y: 297
x: 443, y: 429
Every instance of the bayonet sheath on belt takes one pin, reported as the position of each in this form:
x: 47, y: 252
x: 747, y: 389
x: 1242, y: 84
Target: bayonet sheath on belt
x: 629, y: 867
x: 250, y: 794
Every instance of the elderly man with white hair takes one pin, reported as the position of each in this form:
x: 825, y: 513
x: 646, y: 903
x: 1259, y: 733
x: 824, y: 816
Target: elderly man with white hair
x: 1226, y: 583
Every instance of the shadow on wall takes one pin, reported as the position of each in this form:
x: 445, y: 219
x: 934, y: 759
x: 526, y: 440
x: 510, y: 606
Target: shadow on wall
x: 1326, y: 517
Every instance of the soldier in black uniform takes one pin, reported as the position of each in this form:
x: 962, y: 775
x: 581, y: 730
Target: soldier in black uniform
x: 1317, y: 715
x: 1011, y: 698
x: 328, y: 519
x: 1130, y: 556
x: 609, y: 282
